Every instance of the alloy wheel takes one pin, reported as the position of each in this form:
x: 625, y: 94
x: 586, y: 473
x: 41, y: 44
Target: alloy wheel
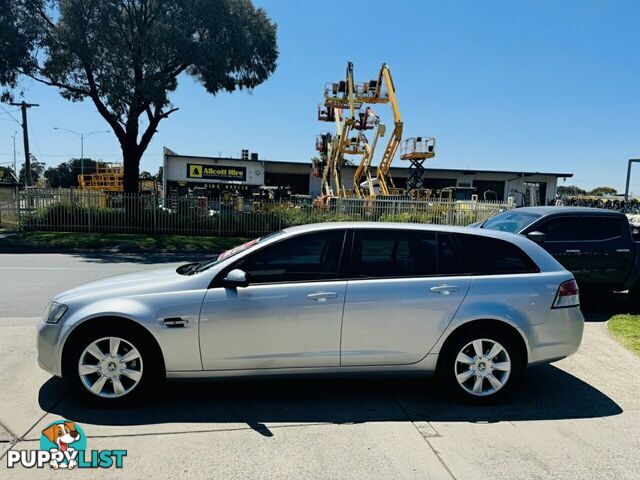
x: 482, y: 367
x: 110, y: 367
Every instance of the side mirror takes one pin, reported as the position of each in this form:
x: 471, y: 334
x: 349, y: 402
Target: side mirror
x: 537, y: 237
x: 236, y: 278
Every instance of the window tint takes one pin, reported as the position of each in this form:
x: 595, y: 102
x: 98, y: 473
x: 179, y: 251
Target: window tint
x: 314, y: 256
x: 602, y: 228
x: 487, y: 256
x: 451, y: 260
x: 560, y: 229
x: 394, y: 253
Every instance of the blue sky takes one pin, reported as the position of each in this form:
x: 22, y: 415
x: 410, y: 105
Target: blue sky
x: 522, y: 85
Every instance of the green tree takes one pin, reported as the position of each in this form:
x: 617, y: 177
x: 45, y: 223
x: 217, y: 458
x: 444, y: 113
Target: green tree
x: 570, y: 190
x: 37, y: 170
x: 7, y: 176
x: 160, y: 174
x: 126, y: 55
x: 603, y: 191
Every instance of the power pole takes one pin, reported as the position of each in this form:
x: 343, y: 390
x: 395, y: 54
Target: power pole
x: 25, y: 136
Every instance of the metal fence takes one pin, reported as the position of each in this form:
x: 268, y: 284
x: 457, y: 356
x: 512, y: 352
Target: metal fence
x: 78, y: 211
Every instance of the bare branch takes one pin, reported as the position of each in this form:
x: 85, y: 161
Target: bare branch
x: 154, y: 120
x: 167, y: 113
x: 102, y: 109
x: 52, y: 83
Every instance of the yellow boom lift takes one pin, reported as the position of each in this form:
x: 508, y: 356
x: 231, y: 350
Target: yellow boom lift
x: 349, y: 97
x: 363, y: 185
x: 415, y: 150
x: 344, y: 96
x: 337, y: 97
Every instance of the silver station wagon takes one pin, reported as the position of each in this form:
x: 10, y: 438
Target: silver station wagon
x: 473, y: 306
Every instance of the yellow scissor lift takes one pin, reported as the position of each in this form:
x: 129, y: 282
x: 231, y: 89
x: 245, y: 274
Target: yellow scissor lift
x: 108, y: 177
x: 416, y: 150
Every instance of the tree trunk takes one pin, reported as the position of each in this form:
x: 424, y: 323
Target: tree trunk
x: 131, y: 159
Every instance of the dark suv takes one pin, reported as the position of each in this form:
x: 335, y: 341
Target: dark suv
x: 596, y: 245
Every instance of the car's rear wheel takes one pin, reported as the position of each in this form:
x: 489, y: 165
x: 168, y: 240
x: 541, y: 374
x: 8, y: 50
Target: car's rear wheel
x: 112, y: 367
x: 480, y: 365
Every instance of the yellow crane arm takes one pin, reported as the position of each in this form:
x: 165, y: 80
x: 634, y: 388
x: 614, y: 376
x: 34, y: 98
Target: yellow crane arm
x: 382, y: 173
x: 363, y: 172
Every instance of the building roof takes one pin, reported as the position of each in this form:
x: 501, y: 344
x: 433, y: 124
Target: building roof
x: 464, y: 171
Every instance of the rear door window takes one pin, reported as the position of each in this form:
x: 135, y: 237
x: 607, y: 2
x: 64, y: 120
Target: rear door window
x: 394, y: 253
x: 602, y: 228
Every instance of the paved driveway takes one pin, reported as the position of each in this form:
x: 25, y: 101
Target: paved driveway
x: 578, y: 418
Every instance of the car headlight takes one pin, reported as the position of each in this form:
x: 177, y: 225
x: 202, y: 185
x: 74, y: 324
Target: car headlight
x: 54, y: 312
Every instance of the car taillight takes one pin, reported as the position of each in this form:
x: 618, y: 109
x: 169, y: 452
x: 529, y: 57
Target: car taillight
x: 568, y: 295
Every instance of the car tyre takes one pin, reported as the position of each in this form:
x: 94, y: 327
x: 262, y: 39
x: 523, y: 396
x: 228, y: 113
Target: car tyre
x: 480, y: 365
x: 127, y: 372
x: 634, y: 298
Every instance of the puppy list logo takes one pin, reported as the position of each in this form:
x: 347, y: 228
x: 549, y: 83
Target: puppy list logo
x: 63, y: 444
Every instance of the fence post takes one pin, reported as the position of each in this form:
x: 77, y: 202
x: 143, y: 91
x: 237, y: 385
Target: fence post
x: 18, y: 212
x: 89, y: 216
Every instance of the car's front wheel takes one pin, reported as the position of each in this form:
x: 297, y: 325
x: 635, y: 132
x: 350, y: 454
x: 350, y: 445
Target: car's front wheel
x: 480, y: 365
x: 111, y: 367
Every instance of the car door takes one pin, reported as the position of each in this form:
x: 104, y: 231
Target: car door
x: 287, y: 317
x: 607, y: 242
x: 397, y: 305
x: 564, y: 241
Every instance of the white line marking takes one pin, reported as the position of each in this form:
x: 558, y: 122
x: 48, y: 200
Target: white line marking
x: 65, y: 268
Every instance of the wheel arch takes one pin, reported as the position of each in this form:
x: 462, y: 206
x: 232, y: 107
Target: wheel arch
x: 493, y: 323
x: 116, y: 321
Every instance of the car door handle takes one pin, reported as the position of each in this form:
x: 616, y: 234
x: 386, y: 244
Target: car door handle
x: 321, y: 296
x: 575, y: 250
x: 444, y: 289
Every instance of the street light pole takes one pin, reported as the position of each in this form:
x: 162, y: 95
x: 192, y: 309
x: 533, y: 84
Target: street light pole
x: 15, y: 172
x: 81, y: 136
x: 82, y: 154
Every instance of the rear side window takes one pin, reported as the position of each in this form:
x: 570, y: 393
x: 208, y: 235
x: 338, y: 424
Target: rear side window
x: 560, y: 229
x: 309, y: 257
x: 602, y: 228
x: 394, y: 253
x: 460, y: 253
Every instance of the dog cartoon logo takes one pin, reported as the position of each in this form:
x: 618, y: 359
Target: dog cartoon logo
x: 63, y: 439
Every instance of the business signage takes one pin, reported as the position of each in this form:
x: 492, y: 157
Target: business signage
x: 216, y: 172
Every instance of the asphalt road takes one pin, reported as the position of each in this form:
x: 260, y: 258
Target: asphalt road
x: 28, y: 281
x: 578, y: 418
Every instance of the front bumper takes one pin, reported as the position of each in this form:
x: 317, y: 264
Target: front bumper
x: 558, y: 337
x: 49, y: 345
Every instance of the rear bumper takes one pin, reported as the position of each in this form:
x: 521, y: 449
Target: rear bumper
x: 558, y: 337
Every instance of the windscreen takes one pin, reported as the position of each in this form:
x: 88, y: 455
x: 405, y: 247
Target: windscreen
x: 231, y: 252
x: 512, y: 221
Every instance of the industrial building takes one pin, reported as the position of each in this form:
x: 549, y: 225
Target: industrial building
x: 210, y: 176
